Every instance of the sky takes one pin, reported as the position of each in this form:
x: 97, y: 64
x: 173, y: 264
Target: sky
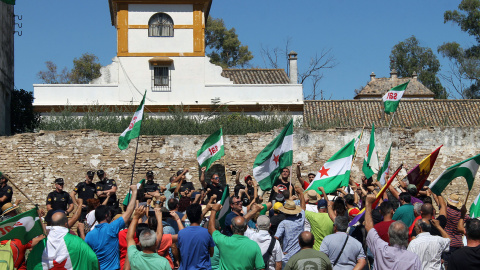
x: 359, y: 34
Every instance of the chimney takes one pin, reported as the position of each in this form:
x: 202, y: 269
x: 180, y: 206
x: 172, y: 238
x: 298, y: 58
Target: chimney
x: 414, y: 75
x: 292, y: 61
x: 393, y: 74
x: 372, y: 77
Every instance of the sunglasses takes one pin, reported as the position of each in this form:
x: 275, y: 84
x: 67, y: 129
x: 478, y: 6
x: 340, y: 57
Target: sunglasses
x: 216, y: 178
x: 240, y: 202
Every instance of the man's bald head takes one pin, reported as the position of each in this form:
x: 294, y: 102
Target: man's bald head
x: 239, y: 225
x: 398, y: 233
x: 306, y: 240
x: 427, y: 209
x: 59, y: 219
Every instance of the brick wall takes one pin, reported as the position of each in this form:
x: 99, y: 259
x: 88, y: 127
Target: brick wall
x: 35, y: 160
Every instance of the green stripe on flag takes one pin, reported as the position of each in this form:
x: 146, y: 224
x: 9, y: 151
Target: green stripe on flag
x: 127, y: 198
x: 335, y: 172
x: 211, y: 150
x: 277, y: 155
x: 133, y: 130
x: 467, y: 169
x: 383, y: 173
x: 370, y: 163
x: 225, y: 202
x: 475, y: 208
x: 392, y: 98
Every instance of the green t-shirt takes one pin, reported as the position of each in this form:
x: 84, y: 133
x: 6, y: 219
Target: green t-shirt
x: 215, y: 259
x: 264, y: 210
x: 238, y: 252
x: 321, y: 226
x: 309, y: 259
x: 142, y: 261
x: 405, y: 213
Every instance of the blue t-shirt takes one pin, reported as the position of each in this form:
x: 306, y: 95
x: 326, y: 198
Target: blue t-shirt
x: 194, y: 243
x: 104, y: 242
x: 228, y: 221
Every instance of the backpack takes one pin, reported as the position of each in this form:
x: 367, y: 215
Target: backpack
x: 6, y: 257
x: 268, y: 254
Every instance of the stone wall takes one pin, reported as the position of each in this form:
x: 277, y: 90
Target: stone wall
x: 6, y: 65
x: 35, y: 160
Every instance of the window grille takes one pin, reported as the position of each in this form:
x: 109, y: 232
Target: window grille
x: 160, y: 25
x: 161, y: 80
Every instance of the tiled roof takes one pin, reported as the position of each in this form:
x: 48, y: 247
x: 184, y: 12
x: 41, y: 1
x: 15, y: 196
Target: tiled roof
x: 256, y: 76
x: 379, y: 86
x: 320, y: 114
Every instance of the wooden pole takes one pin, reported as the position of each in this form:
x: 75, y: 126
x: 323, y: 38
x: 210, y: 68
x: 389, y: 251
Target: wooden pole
x: 28, y: 198
x: 391, y: 120
x: 466, y: 198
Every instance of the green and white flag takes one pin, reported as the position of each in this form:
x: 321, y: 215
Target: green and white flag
x: 335, y: 172
x: 225, y: 202
x: 24, y: 227
x: 370, y: 163
x: 62, y: 250
x: 467, y: 169
x: 475, y: 208
x: 127, y: 198
x: 392, y: 98
x: 277, y: 155
x: 383, y: 173
x: 133, y: 130
x: 212, y: 149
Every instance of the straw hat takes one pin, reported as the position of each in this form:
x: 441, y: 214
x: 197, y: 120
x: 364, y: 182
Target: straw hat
x: 311, y: 196
x: 7, y: 208
x: 454, y: 200
x: 290, y: 208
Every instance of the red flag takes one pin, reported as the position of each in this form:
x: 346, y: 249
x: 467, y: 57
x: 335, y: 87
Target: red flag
x: 418, y: 175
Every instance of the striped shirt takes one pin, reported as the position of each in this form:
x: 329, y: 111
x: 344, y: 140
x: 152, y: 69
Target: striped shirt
x: 429, y: 249
x: 453, y: 216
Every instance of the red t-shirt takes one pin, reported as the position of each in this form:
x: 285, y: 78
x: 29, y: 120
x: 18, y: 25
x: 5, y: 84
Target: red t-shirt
x: 18, y: 252
x: 165, y: 245
x: 382, y: 229
x: 122, y: 244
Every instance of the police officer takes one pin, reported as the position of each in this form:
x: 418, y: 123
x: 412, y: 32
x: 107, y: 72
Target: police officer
x: 85, y: 190
x: 106, y: 186
x: 6, y: 191
x: 151, y: 189
x: 59, y: 199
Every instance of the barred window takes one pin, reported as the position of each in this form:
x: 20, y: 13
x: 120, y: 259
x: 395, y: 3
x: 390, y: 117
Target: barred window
x: 160, y: 79
x: 160, y: 25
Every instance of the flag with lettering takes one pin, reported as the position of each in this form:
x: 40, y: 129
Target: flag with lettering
x: 383, y: 173
x: 335, y: 172
x: 277, y: 155
x: 133, y: 130
x: 392, y: 98
x: 370, y: 163
x: 466, y: 169
x: 211, y: 150
x: 24, y: 227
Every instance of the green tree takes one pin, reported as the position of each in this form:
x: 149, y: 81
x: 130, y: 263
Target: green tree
x: 408, y: 57
x: 464, y: 76
x: 85, y: 69
x: 22, y: 116
x: 223, y: 46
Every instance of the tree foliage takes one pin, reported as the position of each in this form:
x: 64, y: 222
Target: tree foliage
x: 464, y: 75
x: 85, y: 69
x: 22, y: 116
x: 223, y: 46
x: 408, y: 57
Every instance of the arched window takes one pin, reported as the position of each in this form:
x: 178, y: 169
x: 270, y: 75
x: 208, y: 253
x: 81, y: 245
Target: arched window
x: 160, y: 25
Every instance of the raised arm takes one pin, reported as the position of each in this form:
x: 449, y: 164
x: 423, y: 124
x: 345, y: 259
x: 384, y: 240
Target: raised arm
x: 461, y: 221
x: 202, y: 177
x: 179, y: 184
x: 368, y: 212
x: 299, y: 172
x: 158, y: 216
x: 211, y: 223
x: 131, y: 205
x: 299, y: 191
x: 177, y: 219
x: 255, y: 209
x: 77, y: 214
x: 394, y: 191
x: 237, y: 177
x: 442, y: 206
x: 436, y: 223
x: 133, y: 225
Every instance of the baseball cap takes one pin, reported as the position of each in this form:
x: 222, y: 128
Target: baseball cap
x: 100, y: 173
x: 277, y: 205
x: 412, y: 189
x: 149, y: 173
x: 263, y: 222
x: 90, y: 173
x: 248, y: 176
x: 322, y: 203
x: 179, y: 172
x: 59, y: 181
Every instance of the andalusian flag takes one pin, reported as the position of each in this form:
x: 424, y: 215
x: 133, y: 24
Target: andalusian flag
x: 418, y: 175
x: 62, y: 250
x: 127, y: 198
x: 467, y: 169
x: 133, y: 130
x: 277, y: 155
x: 335, y: 172
x: 24, y: 227
x: 475, y: 208
x: 370, y: 163
x: 212, y: 149
x: 383, y: 173
x: 392, y: 98
x: 225, y: 202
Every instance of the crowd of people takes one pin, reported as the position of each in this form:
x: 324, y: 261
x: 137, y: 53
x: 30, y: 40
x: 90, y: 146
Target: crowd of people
x: 177, y: 226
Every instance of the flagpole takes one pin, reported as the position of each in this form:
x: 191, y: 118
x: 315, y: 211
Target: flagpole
x: 468, y: 193
x: 391, y: 120
x: 133, y: 168
x: 13, y: 184
x: 356, y: 149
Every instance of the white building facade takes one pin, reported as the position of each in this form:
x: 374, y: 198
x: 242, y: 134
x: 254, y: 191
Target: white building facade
x: 161, y: 50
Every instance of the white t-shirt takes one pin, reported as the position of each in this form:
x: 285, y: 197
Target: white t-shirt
x: 311, y: 208
x: 91, y: 221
